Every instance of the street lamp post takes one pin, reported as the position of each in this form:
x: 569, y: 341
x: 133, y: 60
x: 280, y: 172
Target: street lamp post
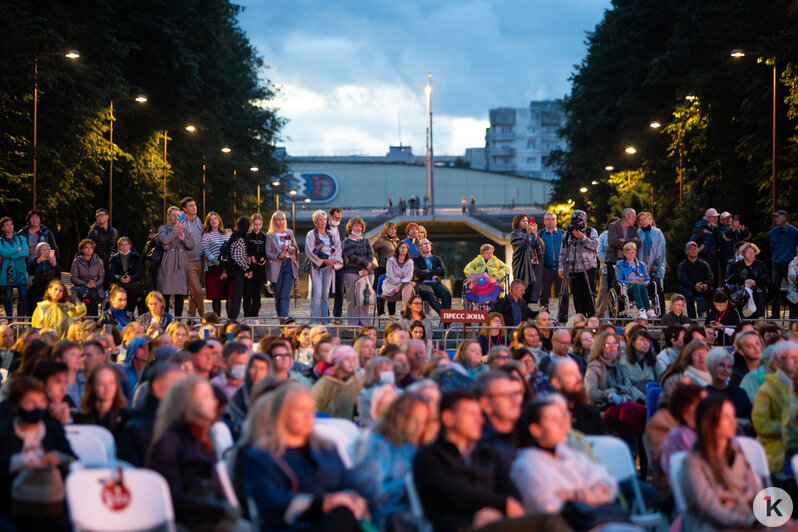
x: 770, y: 59
x: 292, y: 193
x: 191, y: 129
x: 429, y: 161
x: 71, y: 54
x: 276, y: 185
x: 140, y: 99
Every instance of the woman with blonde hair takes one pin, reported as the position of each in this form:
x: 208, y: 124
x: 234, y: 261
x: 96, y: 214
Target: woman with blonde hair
x: 182, y: 452
x: 179, y: 332
x: 57, y: 309
x: 492, y: 333
x: 322, y: 259
x: 173, y: 272
x: 469, y: 355
x: 384, y: 457
x: 213, y: 237
x: 690, y: 365
x: 156, y: 320
x: 283, y: 254
x: 296, y: 481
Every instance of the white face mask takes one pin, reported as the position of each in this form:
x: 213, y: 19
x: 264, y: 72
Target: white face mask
x: 356, y: 233
x: 238, y: 371
x: 334, y: 223
x: 387, y: 377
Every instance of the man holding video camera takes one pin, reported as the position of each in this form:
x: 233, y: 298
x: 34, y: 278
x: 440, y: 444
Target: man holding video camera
x: 578, y: 265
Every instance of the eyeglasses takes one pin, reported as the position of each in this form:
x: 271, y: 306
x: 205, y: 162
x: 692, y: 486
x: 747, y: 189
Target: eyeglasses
x: 610, y: 345
x: 425, y: 244
x: 416, y: 303
x: 278, y: 355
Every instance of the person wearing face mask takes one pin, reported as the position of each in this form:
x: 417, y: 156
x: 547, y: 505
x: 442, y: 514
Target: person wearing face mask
x: 235, y: 355
x: 182, y: 451
x: 126, y: 270
x: 336, y: 391
x: 29, y: 443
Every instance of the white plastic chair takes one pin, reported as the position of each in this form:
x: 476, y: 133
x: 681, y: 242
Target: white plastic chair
x: 88, y: 448
x: 676, y: 462
x: 340, y: 432
x: 755, y: 456
x: 150, y: 502
x: 102, y: 434
x: 222, y: 439
x: 615, y: 455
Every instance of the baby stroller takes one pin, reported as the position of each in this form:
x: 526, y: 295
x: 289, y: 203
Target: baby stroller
x: 481, y: 290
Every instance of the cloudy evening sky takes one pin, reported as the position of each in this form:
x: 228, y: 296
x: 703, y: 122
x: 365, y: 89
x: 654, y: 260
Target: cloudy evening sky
x: 352, y: 73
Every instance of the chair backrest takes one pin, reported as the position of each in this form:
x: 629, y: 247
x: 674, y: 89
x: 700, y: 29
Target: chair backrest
x: 89, y: 498
x: 222, y: 439
x: 88, y: 448
x: 223, y: 474
x: 615, y: 455
x: 94, y: 431
x: 653, y: 392
x: 676, y: 463
x: 342, y: 433
x: 755, y: 456
x: 380, y: 280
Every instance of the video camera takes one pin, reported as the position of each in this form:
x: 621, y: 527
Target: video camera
x: 578, y: 223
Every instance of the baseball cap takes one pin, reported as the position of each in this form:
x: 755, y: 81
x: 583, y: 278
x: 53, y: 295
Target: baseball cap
x: 724, y: 215
x: 780, y: 213
x: 690, y: 243
x: 711, y: 212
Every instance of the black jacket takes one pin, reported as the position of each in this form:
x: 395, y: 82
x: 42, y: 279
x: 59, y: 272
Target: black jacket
x: 256, y: 248
x: 738, y: 272
x: 135, y: 270
x: 104, y: 241
x: 137, y: 432
x: 422, y: 273
x: 114, y: 420
x: 189, y: 469
x: 587, y: 420
x: 689, y: 273
x: 452, y: 490
x: 503, y: 307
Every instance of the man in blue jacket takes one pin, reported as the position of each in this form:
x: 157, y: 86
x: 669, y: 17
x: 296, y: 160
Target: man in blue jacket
x: 783, y: 241
x: 552, y: 242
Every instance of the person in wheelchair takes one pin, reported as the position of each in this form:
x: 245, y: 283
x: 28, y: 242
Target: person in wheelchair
x: 486, y: 262
x: 632, y: 274
x: 749, y: 272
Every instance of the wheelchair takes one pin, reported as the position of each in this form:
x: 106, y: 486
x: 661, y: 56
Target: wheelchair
x: 620, y: 306
x: 479, y: 281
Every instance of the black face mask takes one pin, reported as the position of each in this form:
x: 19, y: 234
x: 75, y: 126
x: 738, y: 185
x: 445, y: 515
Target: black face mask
x: 31, y: 416
x: 646, y: 228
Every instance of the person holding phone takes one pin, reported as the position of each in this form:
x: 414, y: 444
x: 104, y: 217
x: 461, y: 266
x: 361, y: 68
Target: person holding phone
x: 282, y: 252
x: 256, y: 256
x: 173, y: 273
x: 42, y: 269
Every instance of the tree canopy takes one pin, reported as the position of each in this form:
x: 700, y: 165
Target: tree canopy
x: 194, y: 64
x: 669, y: 61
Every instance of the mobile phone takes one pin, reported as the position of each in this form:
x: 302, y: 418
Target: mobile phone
x: 229, y: 337
x: 205, y: 334
x: 737, y: 217
x: 182, y: 218
x: 52, y: 253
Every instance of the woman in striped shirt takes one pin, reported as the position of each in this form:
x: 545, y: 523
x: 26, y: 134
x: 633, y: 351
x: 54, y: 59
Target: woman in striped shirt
x: 213, y: 237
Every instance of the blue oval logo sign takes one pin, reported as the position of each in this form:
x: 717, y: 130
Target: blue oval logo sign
x: 318, y: 187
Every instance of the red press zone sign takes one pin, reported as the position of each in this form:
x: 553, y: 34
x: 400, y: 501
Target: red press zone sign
x: 463, y: 316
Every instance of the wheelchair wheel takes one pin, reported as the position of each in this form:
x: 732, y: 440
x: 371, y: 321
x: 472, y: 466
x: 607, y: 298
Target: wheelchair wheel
x: 612, y: 304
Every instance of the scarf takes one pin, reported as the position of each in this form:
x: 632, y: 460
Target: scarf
x: 700, y: 377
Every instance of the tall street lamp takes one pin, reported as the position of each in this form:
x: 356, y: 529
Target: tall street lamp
x: 276, y: 185
x: 293, y: 193
x: 429, y: 161
x: 768, y: 59
x: 140, y: 99
x: 72, y: 55
x: 241, y: 165
x: 191, y: 129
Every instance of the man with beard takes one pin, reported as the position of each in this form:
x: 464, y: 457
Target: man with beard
x: 500, y: 397
x: 567, y: 379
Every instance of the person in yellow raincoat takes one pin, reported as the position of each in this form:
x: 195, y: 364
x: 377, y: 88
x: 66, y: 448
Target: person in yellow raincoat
x: 486, y: 262
x: 57, y: 309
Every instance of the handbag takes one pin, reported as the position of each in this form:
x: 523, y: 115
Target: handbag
x: 38, y: 491
x: 364, y: 292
